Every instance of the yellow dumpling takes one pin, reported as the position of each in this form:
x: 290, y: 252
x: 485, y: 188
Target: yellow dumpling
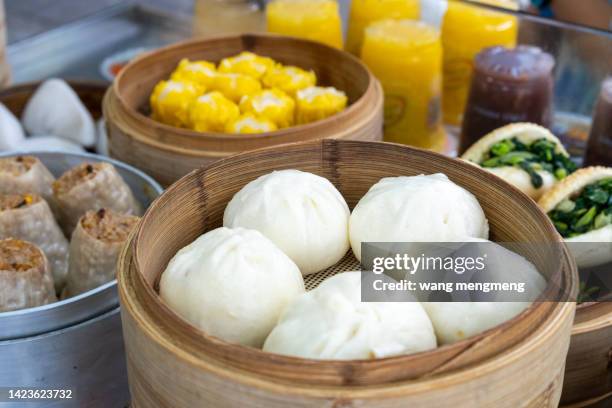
x: 235, y: 86
x: 170, y: 101
x: 249, y: 123
x: 316, y: 103
x: 211, y: 112
x: 289, y: 79
x: 246, y: 63
x: 200, y: 72
x: 272, y: 104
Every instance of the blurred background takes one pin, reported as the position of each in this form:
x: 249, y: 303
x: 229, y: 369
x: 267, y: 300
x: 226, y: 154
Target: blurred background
x: 92, y: 40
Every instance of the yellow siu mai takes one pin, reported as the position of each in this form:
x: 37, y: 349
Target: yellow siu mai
x: 271, y: 104
x: 246, y: 63
x: 249, y: 124
x: 235, y: 86
x: 289, y: 79
x: 316, y: 103
x: 212, y: 112
x: 200, y: 72
x: 170, y: 101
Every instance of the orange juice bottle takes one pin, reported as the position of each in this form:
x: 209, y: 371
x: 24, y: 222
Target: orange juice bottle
x: 466, y: 30
x: 317, y: 20
x: 217, y: 17
x: 406, y: 56
x: 365, y: 12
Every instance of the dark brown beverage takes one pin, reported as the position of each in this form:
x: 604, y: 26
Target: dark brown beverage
x: 508, y: 85
x: 599, y: 148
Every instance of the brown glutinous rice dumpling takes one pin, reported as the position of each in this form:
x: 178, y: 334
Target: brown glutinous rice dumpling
x: 94, y: 249
x: 25, y: 278
x: 91, y: 186
x: 29, y: 218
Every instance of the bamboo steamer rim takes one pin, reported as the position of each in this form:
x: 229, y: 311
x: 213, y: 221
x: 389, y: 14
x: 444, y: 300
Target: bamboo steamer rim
x: 111, y: 101
x: 245, y: 38
x: 560, y: 313
x: 151, y: 297
x: 589, y: 403
x: 588, y: 376
x: 75, y: 84
x: 592, y: 316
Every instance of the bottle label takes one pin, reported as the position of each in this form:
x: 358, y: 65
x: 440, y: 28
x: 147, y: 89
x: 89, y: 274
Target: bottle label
x: 395, y: 108
x: 457, y: 73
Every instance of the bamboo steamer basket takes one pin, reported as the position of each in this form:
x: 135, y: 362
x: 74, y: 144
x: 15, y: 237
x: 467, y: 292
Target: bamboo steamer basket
x: 517, y: 364
x: 168, y: 153
x: 588, y: 375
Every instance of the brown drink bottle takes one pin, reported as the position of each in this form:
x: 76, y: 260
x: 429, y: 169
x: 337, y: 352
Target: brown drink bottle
x: 509, y: 85
x: 599, y: 148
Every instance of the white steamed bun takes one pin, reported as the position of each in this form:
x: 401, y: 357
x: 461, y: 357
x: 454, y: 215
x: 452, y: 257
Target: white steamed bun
x: 11, y: 133
x: 331, y: 322
x: 416, y: 209
x: 56, y: 109
x: 48, y: 143
x: 302, y: 213
x: 231, y: 283
x: 455, y: 321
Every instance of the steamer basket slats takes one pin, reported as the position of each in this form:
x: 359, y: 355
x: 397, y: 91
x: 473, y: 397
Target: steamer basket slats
x: 168, y: 153
x: 494, y: 369
x: 589, y: 362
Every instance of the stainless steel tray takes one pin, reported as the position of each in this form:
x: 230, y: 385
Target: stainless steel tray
x: 76, y: 50
x: 21, y: 324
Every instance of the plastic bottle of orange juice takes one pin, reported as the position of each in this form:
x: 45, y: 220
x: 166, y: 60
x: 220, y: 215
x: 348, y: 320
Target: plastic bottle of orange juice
x: 317, y: 20
x: 466, y: 30
x: 365, y: 12
x: 406, y: 56
x: 217, y: 17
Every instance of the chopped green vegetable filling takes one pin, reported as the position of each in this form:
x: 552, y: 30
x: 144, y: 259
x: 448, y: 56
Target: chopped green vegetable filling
x: 537, y: 156
x: 590, y: 210
x: 586, y: 293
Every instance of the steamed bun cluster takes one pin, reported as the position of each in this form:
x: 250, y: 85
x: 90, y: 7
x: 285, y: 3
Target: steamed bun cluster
x: 55, y: 119
x: 233, y: 282
x: 243, y: 282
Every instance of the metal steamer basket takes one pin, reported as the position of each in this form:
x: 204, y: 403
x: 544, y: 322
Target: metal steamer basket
x: 75, y: 343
